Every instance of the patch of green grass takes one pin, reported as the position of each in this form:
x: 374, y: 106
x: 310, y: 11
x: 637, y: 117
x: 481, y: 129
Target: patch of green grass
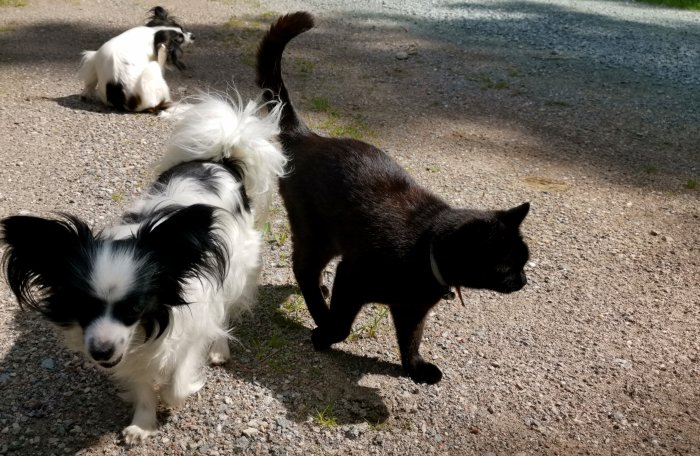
x: 650, y: 169
x: 6, y: 28
x: 117, y: 197
x: 692, y: 184
x: 335, y: 125
x: 433, y: 168
x: 294, y: 307
x: 267, y: 15
x: 306, y: 66
x: 320, y: 104
x: 497, y: 84
x: 15, y: 3
x: 375, y: 322
x: 683, y: 4
x: 355, y: 130
x: 376, y: 427
x: 281, y: 238
x: 325, y: 418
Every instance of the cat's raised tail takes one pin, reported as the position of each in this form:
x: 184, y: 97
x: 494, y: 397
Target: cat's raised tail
x: 269, y: 66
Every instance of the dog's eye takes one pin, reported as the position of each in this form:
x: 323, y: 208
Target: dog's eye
x: 179, y: 39
x: 129, y: 310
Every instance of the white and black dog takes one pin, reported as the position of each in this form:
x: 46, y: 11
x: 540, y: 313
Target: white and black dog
x: 150, y: 298
x: 127, y: 71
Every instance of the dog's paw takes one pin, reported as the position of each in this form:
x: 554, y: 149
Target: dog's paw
x: 425, y: 373
x: 174, y: 397
x: 219, y: 353
x: 134, y: 435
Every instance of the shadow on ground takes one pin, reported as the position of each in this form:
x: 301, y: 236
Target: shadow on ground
x: 578, y: 110
x: 276, y: 351
x: 64, y: 396
x: 47, y: 390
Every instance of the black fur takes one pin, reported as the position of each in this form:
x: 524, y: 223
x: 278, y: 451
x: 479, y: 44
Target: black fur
x: 48, y: 263
x: 172, y: 40
x: 159, y: 17
x: 204, y: 175
x: 347, y: 198
x: 115, y: 95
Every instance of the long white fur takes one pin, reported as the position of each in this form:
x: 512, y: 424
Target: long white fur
x: 173, y: 362
x: 219, y: 127
x: 124, y: 59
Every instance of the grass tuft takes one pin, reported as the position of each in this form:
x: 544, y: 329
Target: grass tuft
x: 15, y: 3
x: 320, y: 104
x: 650, y: 169
x: 325, y: 418
x: 692, y: 184
x: 682, y: 4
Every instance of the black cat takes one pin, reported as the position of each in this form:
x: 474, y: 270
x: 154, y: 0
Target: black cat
x: 400, y: 244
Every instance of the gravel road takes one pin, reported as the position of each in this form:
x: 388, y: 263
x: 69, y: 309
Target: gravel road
x: 590, y: 110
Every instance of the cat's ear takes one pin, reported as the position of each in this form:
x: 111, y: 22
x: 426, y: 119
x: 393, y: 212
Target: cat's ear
x: 516, y: 215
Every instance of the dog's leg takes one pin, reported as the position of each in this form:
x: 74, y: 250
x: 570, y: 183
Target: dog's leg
x: 144, y: 422
x: 219, y: 352
x: 409, y: 324
x: 187, y: 378
x: 162, y: 56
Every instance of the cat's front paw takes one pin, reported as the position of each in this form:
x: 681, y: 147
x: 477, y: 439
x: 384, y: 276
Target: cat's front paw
x: 320, y: 340
x: 425, y: 373
x: 134, y: 435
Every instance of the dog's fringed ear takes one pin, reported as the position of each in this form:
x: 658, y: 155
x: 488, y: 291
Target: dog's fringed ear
x: 515, y: 216
x: 186, y: 244
x: 159, y: 17
x: 40, y: 254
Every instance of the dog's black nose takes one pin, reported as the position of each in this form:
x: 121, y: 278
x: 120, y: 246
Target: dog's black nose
x: 192, y: 36
x: 101, y: 352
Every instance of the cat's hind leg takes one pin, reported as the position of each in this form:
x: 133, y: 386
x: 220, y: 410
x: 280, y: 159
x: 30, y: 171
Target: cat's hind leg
x: 409, y: 324
x: 346, y: 301
x: 308, y: 265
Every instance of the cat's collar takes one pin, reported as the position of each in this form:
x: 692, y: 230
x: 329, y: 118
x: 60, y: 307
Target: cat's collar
x: 440, y: 279
x: 436, y: 270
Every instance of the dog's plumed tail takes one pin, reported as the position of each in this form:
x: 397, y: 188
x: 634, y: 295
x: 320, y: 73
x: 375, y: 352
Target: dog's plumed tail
x: 87, y: 65
x: 221, y: 128
x: 269, y: 66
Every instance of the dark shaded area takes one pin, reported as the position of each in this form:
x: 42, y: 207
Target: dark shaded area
x: 65, y: 397
x: 60, y: 395
x: 276, y: 351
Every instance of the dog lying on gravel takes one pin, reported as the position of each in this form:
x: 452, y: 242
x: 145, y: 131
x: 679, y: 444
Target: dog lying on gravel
x: 149, y: 299
x: 127, y: 71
